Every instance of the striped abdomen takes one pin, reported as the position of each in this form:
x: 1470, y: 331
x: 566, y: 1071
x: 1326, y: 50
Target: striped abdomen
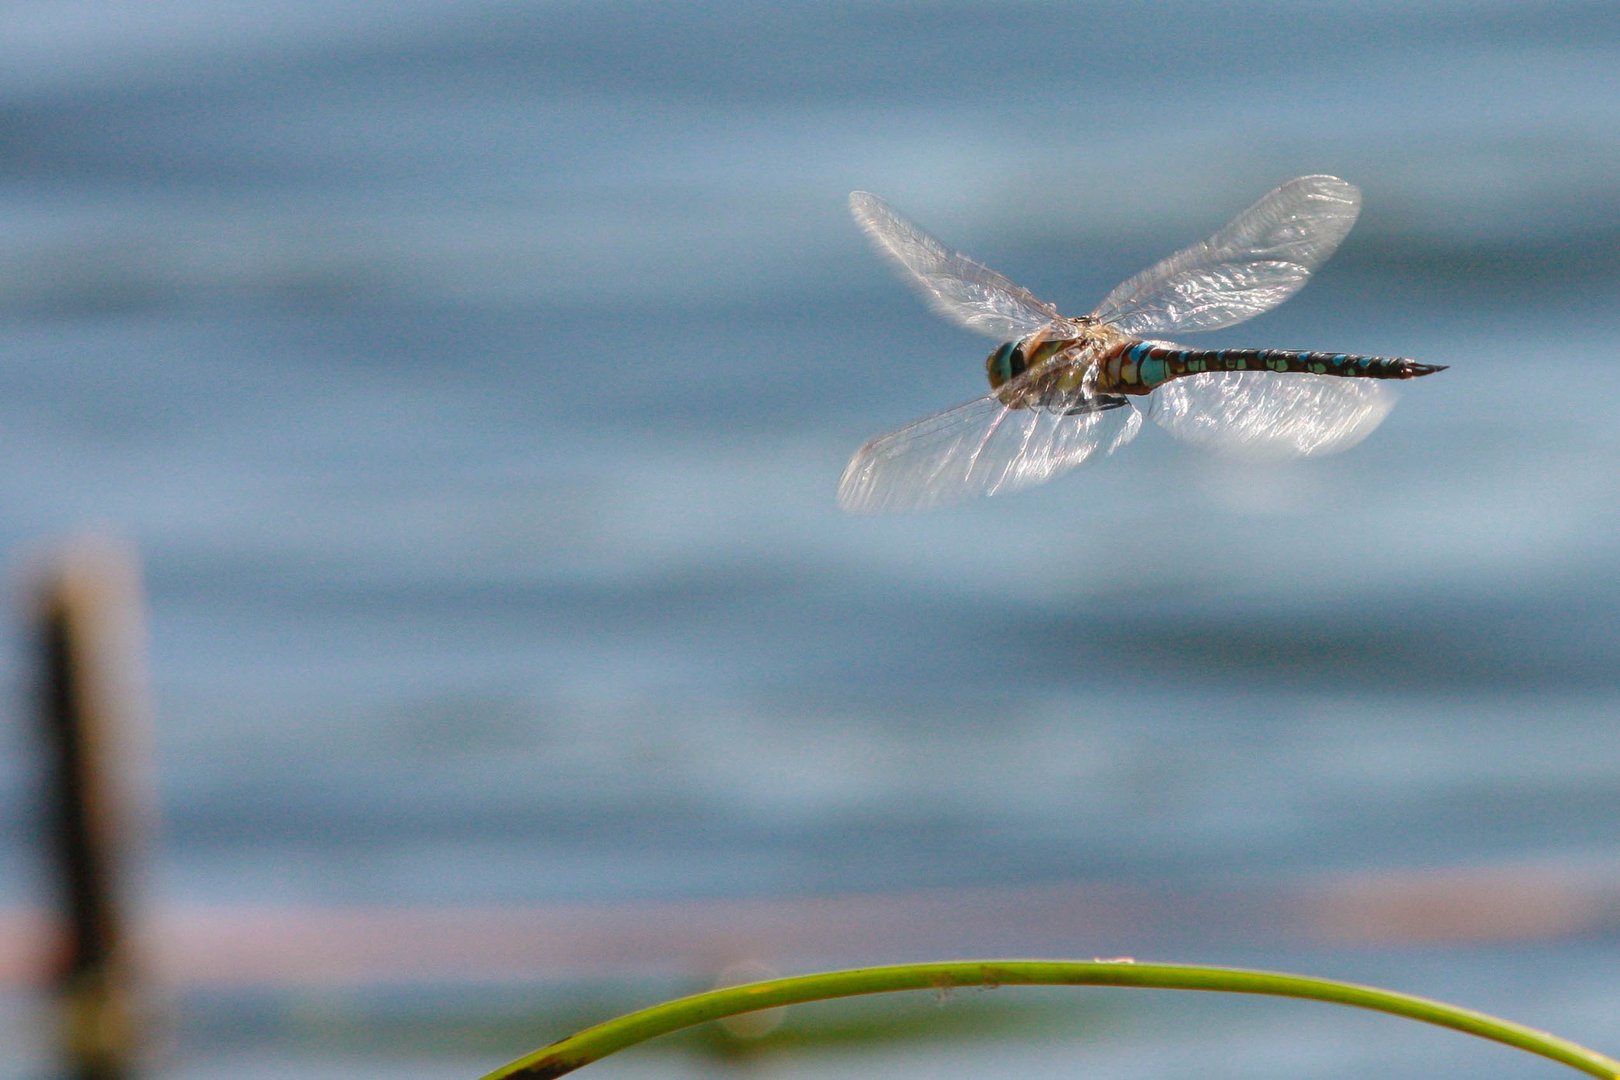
x: 1139, y: 367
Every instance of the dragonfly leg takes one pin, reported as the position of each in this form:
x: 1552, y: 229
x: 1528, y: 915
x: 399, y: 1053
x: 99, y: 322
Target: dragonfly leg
x: 1099, y: 403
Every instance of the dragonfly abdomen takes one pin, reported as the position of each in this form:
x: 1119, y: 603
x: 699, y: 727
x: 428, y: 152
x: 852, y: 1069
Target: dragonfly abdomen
x: 1143, y: 366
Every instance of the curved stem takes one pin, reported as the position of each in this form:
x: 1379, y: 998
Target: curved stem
x: 597, y: 1042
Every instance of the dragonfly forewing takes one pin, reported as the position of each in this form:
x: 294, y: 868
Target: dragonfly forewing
x: 957, y: 287
x: 983, y: 447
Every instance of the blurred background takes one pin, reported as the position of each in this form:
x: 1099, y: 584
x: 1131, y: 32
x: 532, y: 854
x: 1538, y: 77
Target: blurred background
x: 474, y: 378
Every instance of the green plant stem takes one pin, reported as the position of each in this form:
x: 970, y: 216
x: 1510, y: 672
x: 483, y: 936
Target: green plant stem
x: 596, y: 1042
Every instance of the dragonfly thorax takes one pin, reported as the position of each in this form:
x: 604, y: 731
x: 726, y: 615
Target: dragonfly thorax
x: 1073, y: 339
x: 1032, y: 350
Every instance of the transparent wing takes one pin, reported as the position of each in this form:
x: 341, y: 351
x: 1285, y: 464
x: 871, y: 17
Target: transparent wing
x: 980, y: 448
x: 1255, y: 263
x: 955, y: 286
x: 1266, y: 414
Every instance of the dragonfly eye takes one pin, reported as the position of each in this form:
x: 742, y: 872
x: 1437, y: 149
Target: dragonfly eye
x: 1007, y: 362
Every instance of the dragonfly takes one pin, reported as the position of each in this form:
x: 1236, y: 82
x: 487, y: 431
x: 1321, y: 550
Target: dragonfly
x: 1065, y: 390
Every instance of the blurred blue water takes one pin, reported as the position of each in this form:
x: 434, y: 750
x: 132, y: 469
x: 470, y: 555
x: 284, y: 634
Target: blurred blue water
x: 475, y: 377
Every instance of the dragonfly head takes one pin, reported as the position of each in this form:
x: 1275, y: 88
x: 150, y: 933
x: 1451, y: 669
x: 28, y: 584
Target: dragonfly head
x: 1007, y: 362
